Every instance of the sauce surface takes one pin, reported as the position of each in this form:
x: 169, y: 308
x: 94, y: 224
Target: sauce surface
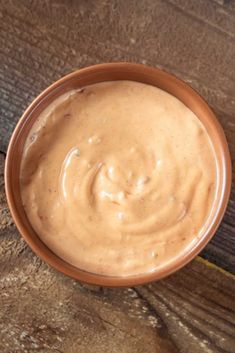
x: 118, y: 178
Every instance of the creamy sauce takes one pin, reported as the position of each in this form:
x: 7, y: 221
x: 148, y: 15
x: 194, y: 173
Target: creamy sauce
x: 118, y: 178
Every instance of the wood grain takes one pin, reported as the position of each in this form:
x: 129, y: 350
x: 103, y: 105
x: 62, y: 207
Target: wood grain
x: 44, y: 311
x: 43, y: 40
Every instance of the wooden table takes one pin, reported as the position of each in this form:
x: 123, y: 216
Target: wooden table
x: 43, y: 311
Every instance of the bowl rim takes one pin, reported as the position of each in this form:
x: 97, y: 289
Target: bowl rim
x: 97, y: 279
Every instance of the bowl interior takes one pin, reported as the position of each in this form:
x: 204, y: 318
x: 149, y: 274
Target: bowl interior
x: 112, y: 72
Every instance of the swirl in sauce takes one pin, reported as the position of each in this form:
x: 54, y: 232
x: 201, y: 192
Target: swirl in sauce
x: 118, y: 178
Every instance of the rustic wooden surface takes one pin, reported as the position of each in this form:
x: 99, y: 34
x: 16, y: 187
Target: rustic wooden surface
x: 44, y: 311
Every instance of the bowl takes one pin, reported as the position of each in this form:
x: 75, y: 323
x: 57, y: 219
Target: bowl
x: 112, y: 72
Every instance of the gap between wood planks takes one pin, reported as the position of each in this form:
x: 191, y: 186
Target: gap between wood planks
x: 211, y: 265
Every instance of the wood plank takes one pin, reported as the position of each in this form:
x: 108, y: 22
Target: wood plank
x: 194, y: 40
x: 44, y: 311
x: 220, y: 18
x: 186, y: 43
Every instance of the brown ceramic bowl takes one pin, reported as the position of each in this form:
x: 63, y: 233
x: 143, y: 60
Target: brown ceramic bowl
x: 110, y: 72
